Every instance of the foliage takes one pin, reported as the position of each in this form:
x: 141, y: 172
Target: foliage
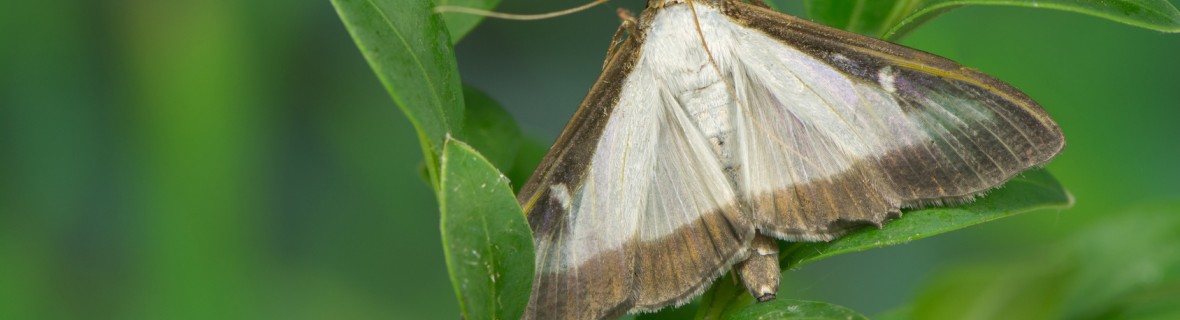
x: 894, y: 19
x: 487, y: 241
x: 411, y: 53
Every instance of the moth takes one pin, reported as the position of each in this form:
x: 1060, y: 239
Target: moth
x: 718, y: 126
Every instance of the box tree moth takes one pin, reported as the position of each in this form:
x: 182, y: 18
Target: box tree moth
x: 718, y: 126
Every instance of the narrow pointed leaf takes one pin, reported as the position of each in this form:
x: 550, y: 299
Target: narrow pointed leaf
x: 1158, y: 15
x: 409, y: 49
x: 894, y: 19
x: 488, y: 245
x: 867, y: 17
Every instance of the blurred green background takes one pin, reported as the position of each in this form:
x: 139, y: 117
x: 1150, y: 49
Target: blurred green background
x: 239, y: 160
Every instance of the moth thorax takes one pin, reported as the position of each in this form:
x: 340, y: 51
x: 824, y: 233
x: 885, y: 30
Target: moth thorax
x: 709, y: 106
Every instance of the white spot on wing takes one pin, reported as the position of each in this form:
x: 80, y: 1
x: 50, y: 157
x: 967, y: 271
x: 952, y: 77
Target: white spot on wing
x: 885, y: 79
x: 560, y: 193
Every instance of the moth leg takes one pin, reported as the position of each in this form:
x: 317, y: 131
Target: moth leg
x: 760, y: 272
x: 629, y: 27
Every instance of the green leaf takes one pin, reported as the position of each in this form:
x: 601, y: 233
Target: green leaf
x: 794, y: 309
x: 894, y: 19
x: 460, y: 24
x: 490, y: 129
x: 406, y: 45
x: 487, y: 241
x: 1034, y: 189
x: 867, y: 17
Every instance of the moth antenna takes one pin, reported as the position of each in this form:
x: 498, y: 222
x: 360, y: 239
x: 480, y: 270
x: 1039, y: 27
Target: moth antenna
x: 513, y: 16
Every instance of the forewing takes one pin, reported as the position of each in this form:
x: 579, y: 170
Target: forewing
x: 841, y: 130
x: 630, y: 210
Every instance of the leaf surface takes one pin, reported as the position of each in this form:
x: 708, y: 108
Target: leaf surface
x: 893, y: 19
x: 487, y: 241
x: 408, y: 48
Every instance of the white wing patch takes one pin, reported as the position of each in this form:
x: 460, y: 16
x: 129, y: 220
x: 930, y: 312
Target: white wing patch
x: 654, y: 169
x: 643, y: 184
x: 825, y: 104
x: 885, y: 79
x: 678, y: 145
x: 561, y: 193
x: 612, y: 198
x: 799, y: 122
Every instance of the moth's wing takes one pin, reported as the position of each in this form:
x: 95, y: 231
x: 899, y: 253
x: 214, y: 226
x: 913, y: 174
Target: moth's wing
x: 630, y: 210
x: 842, y: 130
